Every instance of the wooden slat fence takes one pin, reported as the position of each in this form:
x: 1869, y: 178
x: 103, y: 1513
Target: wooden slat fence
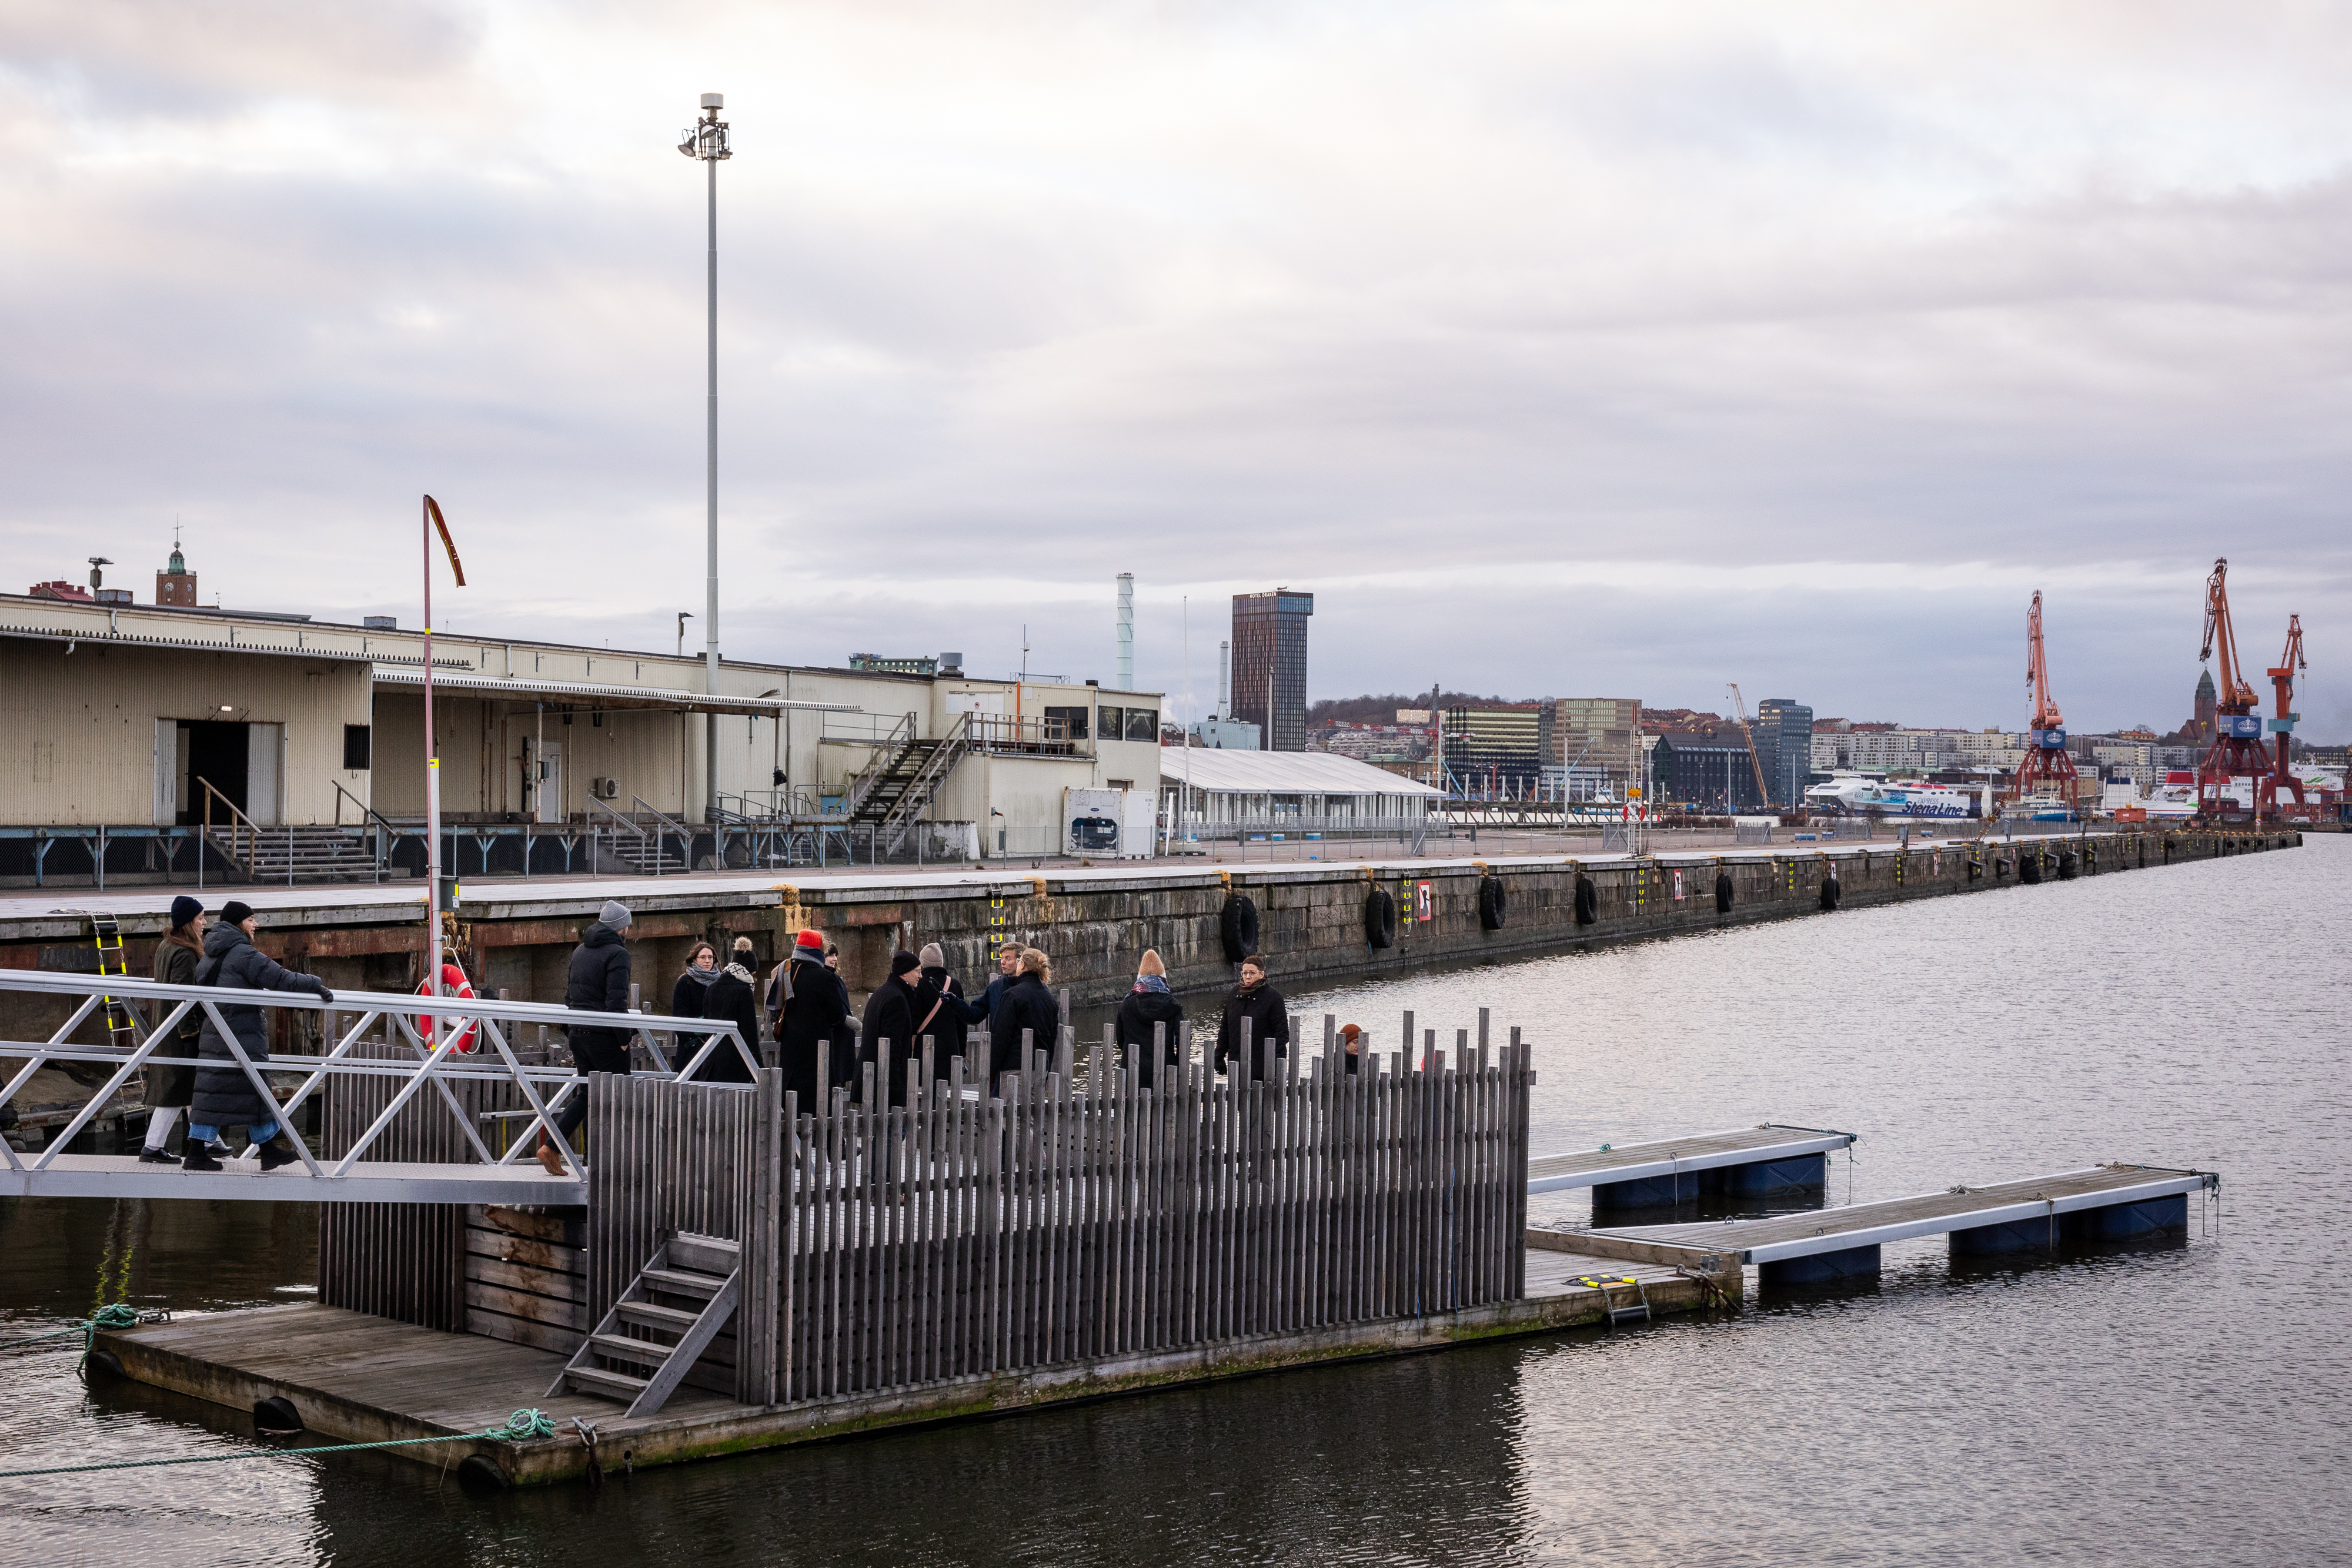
x: 1078, y: 1218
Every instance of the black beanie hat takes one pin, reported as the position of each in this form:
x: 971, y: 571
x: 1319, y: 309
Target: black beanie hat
x: 237, y: 911
x: 185, y: 909
x: 902, y: 961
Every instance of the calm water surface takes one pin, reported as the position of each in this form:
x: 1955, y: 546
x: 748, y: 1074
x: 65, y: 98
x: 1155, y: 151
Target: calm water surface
x: 2183, y: 1403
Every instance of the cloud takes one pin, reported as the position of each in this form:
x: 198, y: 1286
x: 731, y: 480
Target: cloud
x: 1559, y: 350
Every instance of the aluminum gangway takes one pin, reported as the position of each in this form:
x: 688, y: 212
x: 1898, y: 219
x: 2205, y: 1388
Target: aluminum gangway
x: 472, y: 1045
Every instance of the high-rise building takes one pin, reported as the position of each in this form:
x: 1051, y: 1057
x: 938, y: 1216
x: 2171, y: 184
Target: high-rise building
x: 1597, y: 732
x: 1784, y: 741
x: 1495, y: 749
x: 176, y: 584
x: 1270, y: 665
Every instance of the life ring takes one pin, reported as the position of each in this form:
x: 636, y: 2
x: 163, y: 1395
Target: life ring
x: 1723, y: 892
x: 1380, y: 919
x: 1237, y: 923
x: 1587, y: 901
x: 1492, y: 903
x: 1829, y: 892
x: 453, y: 984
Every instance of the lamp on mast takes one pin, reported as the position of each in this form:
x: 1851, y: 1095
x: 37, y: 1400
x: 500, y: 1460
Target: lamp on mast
x: 707, y: 140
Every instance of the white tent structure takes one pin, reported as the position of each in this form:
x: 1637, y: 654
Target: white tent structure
x: 1206, y: 793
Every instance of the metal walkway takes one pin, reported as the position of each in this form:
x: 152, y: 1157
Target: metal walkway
x: 1677, y: 1156
x: 123, y: 1176
x: 1786, y: 1237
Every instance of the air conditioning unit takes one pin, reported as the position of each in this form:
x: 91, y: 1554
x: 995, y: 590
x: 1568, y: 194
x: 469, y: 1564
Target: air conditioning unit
x: 604, y: 789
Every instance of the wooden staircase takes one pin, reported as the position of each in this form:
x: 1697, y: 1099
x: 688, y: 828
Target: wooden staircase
x: 685, y: 1293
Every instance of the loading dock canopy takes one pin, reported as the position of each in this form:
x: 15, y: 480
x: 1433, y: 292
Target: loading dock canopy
x: 583, y: 694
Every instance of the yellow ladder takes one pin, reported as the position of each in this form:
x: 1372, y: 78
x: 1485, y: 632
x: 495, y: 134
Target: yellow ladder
x: 121, y: 1023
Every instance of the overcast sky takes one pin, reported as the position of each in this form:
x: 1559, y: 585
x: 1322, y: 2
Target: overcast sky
x: 1571, y: 349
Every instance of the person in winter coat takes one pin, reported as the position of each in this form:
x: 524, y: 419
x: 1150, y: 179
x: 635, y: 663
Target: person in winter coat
x: 598, y: 982
x: 224, y: 1096
x: 902, y: 1010
x: 685, y: 998
x: 170, y: 1088
x: 730, y: 998
x: 1149, y: 1004
x: 956, y: 1013
x: 1025, y: 1003
x: 1351, y: 1035
x: 1261, y: 1004
x: 813, y: 1023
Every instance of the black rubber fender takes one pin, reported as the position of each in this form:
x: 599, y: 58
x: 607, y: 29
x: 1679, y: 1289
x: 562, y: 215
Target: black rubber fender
x: 2028, y: 867
x: 480, y: 1473
x: 1494, y: 905
x: 1379, y: 918
x: 1975, y: 869
x: 2067, y: 868
x: 102, y: 1367
x: 1723, y: 892
x: 1831, y: 892
x: 1587, y: 901
x: 276, y: 1416
x: 1237, y: 923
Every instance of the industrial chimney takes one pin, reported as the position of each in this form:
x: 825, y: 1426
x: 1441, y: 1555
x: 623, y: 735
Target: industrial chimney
x: 1126, y: 630
x: 1224, y: 679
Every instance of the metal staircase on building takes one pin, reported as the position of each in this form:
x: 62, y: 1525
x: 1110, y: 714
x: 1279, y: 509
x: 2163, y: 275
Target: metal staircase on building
x: 667, y: 1317
x: 298, y: 854
x: 892, y: 796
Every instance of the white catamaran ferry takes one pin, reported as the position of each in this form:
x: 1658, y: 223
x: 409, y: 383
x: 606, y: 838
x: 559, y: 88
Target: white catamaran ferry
x: 1864, y: 794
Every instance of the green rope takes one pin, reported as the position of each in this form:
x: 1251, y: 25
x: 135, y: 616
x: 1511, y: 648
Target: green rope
x: 521, y: 1426
x: 113, y: 1316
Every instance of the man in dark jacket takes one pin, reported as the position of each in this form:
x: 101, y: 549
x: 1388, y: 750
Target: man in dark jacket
x: 170, y: 1088
x: 813, y: 1023
x: 900, y: 1010
x: 225, y: 1095
x: 1027, y: 1002
x: 598, y: 982
x: 1151, y: 1007
x: 1260, y: 1004
x: 956, y: 1016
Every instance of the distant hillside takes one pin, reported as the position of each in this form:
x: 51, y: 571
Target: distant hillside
x: 1368, y: 709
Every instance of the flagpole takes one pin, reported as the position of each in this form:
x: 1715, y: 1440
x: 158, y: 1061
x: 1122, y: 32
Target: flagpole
x: 432, y: 783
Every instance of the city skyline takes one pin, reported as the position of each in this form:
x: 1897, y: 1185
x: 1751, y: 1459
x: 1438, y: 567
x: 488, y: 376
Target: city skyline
x: 1797, y: 349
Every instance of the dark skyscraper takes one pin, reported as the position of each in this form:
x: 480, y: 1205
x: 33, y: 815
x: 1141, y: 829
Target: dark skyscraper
x: 1270, y: 664
x: 1784, y: 741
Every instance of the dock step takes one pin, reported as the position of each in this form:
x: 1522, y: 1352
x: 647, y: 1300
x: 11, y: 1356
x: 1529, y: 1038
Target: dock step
x: 684, y: 1266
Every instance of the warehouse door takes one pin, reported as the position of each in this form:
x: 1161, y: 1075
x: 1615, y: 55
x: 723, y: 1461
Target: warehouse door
x: 218, y: 755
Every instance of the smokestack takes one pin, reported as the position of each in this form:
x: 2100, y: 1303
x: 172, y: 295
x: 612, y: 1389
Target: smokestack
x: 1126, y: 630
x: 1224, y: 679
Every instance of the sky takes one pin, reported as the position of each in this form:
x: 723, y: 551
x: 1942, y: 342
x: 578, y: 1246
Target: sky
x: 1569, y: 349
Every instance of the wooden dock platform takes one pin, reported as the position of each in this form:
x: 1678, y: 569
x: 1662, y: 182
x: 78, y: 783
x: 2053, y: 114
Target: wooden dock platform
x: 357, y: 1377
x: 1631, y: 1174
x: 2112, y: 1202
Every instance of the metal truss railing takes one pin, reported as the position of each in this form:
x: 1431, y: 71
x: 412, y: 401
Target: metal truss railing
x: 439, y: 1063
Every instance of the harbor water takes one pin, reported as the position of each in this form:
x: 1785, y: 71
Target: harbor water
x: 2180, y: 1402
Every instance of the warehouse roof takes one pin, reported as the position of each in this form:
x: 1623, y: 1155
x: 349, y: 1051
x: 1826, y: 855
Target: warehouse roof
x: 1280, y: 773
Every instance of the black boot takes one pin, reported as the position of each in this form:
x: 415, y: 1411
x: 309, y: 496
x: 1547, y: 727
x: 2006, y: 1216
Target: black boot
x: 278, y: 1151
x: 199, y: 1157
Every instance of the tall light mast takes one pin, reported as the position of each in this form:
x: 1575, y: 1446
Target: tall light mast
x: 707, y: 140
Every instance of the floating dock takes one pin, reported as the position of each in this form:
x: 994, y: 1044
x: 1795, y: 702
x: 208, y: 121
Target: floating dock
x: 1768, y: 1163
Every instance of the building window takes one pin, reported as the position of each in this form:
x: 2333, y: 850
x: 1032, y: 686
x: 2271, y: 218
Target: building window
x: 1142, y: 724
x: 1111, y: 719
x: 1065, y: 724
x: 355, y: 747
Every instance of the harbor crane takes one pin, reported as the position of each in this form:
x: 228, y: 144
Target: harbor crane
x: 2237, y: 751
x: 2290, y: 665
x: 1739, y: 709
x: 2047, y: 765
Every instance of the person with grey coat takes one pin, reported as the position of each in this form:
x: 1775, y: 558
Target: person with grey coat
x: 224, y: 1096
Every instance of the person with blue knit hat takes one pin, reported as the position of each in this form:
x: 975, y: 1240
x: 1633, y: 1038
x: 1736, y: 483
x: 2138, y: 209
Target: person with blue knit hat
x: 170, y: 1087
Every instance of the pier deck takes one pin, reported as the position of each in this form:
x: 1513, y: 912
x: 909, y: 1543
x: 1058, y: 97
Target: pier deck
x: 123, y: 1176
x: 356, y: 1377
x: 1762, y: 1144
x: 2102, y: 1202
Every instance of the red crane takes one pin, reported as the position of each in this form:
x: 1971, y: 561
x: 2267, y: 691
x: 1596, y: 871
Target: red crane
x: 2047, y: 763
x: 2282, y: 681
x: 2237, y: 751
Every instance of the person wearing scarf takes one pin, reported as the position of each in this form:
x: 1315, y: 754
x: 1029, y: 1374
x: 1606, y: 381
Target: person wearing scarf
x: 1150, y: 1004
x: 731, y: 998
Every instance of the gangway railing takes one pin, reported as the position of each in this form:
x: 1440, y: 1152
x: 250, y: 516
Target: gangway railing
x: 438, y: 1061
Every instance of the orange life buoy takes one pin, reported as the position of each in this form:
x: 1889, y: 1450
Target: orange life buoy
x: 453, y: 984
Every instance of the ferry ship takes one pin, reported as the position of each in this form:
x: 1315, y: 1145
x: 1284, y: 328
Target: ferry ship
x: 1860, y: 795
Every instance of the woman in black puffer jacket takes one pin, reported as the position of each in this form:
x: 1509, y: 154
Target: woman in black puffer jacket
x: 1147, y: 1006
x: 224, y: 1096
